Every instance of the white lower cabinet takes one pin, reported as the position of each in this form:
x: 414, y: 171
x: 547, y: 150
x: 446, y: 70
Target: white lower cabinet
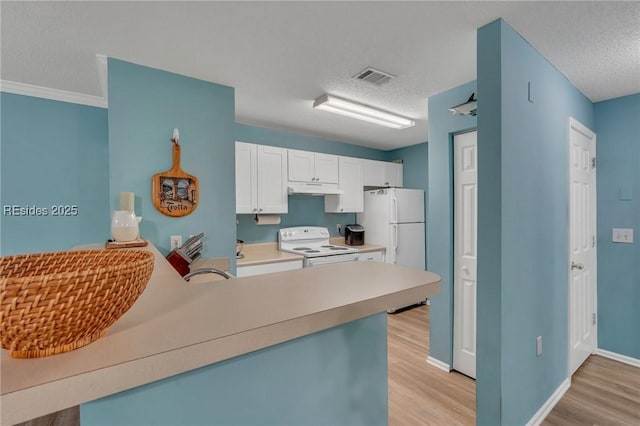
x: 372, y: 256
x: 247, y: 271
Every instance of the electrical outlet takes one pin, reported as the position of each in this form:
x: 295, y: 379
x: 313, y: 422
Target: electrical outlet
x: 339, y: 228
x: 622, y: 235
x: 176, y: 241
x: 538, y: 345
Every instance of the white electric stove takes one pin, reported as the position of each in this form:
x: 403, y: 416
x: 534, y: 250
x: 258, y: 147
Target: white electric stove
x: 313, y: 243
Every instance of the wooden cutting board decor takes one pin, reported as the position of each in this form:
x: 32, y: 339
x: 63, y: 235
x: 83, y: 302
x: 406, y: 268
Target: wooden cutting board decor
x: 175, y: 192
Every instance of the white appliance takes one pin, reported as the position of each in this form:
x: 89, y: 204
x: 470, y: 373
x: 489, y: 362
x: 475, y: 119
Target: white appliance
x: 394, y: 218
x: 313, y: 243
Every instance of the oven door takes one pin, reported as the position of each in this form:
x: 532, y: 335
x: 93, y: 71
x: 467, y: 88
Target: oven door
x: 324, y: 260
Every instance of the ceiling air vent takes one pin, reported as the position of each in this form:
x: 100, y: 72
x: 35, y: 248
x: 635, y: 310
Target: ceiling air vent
x: 374, y: 76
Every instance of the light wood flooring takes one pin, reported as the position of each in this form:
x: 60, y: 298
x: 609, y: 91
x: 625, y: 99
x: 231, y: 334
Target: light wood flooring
x: 419, y: 393
x: 603, y: 391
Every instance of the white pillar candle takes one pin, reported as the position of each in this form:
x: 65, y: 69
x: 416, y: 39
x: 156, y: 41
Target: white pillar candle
x: 127, y: 201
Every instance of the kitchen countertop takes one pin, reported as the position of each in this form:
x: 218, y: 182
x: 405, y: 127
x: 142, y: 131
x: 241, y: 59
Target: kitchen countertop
x: 365, y: 248
x: 264, y: 253
x: 176, y: 327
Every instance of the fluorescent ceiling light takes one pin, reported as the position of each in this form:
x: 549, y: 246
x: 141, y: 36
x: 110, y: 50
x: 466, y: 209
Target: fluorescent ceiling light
x: 362, y: 112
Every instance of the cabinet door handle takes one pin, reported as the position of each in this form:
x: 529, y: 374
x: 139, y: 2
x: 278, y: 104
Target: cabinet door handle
x: 259, y: 210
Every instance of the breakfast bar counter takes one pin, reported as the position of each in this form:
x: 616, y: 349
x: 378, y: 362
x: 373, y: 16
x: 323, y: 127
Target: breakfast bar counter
x: 175, y: 327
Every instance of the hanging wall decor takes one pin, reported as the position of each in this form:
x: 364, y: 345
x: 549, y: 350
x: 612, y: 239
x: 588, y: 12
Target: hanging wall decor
x: 174, y: 192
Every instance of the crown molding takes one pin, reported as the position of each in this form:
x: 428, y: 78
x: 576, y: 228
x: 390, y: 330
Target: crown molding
x: 53, y: 94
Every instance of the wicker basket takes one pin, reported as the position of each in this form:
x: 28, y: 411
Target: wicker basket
x: 56, y: 302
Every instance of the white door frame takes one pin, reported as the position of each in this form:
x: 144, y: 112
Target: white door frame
x: 464, y: 360
x: 579, y: 127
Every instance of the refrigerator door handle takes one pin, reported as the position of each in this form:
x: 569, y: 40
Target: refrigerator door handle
x: 394, y: 219
x: 395, y: 243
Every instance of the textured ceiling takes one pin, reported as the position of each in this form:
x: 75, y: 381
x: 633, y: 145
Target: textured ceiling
x: 281, y: 55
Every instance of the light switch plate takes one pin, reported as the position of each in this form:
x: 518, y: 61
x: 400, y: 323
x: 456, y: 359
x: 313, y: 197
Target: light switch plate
x: 538, y: 345
x: 622, y: 235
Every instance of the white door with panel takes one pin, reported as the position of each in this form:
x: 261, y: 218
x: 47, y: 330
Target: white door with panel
x: 582, y: 244
x: 465, y: 252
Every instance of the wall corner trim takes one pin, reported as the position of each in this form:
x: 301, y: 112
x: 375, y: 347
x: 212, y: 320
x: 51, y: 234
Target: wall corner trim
x: 52, y: 94
x: 634, y: 362
x: 439, y: 364
x: 548, y: 405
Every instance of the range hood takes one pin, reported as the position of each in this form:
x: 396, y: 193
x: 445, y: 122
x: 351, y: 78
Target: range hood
x: 311, y: 188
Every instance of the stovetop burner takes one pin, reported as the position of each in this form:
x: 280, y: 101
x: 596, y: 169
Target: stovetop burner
x: 310, y: 241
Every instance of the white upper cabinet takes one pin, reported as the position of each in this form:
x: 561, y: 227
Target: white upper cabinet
x: 351, y: 172
x: 394, y: 175
x: 261, y: 179
x: 305, y: 166
x: 382, y: 173
x: 246, y: 169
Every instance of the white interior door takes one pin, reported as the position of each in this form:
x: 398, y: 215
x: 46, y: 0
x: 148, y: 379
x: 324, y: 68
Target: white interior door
x: 465, y: 252
x: 582, y: 244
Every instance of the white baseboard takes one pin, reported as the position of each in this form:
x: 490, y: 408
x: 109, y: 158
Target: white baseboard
x: 53, y: 94
x: 635, y: 362
x: 439, y: 364
x: 546, y: 408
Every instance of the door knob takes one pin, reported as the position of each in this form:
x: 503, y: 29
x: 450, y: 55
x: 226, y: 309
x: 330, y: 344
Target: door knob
x: 575, y: 265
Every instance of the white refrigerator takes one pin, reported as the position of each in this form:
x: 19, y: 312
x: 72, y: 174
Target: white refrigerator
x: 394, y: 218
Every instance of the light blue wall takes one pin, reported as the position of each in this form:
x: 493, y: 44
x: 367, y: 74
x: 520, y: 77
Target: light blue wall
x: 442, y: 127
x: 522, y: 224
x: 335, y: 377
x: 145, y: 105
x: 53, y: 153
x: 415, y: 163
x: 303, y: 210
x: 617, y: 125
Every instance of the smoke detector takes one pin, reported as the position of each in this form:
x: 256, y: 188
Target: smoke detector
x: 374, y: 76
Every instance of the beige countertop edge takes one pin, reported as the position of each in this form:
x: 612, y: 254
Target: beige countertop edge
x: 81, y: 388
